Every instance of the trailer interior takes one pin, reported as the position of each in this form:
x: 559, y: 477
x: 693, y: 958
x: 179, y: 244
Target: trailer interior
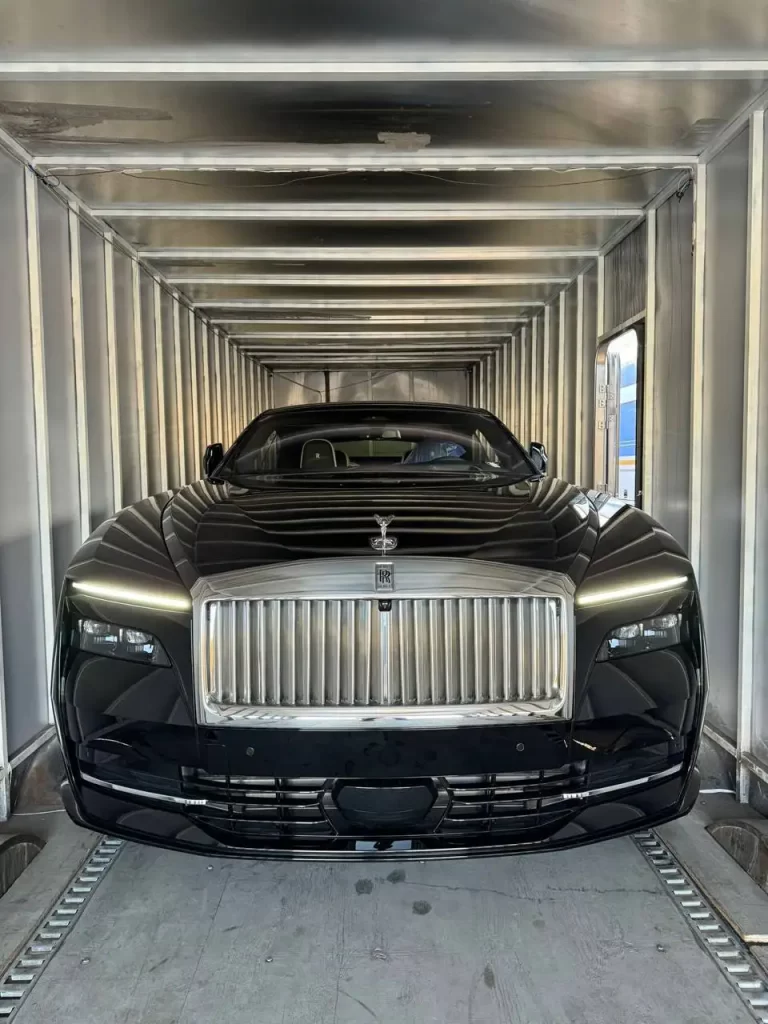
x: 557, y: 212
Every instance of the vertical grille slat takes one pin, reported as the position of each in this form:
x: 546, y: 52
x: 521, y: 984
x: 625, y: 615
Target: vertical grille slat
x: 449, y: 653
x: 547, y: 630
x: 478, y: 637
x: 464, y: 653
x: 349, y: 652
x: 402, y: 651
x: 348, y: 680
x: 335, y: 694
x: 521, y: 644
x: 506, y: 650
x: 556, y: 646
x: 320, y: 694
x: 246, y: 632
x: 261, y: 641
x: 436, y: 660
x: 304, y: 653
x: 420, y: 641
x: 277, y: 650
x: 534, y: 643
x: 288, y: 635
x: 363, y: 697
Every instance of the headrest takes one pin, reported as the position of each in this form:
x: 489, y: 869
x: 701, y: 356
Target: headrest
x: 318, y: 454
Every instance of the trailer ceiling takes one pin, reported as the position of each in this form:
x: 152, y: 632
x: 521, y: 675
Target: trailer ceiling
x: 297, y: 169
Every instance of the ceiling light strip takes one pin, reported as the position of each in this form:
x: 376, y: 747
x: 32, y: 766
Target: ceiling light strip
x: 370, y: 335
x: 315, y: 64
x: 290, y: 304
x: 372, y: 253
x: 464, y: 318
x: 356, y: 211
x: 322, y: 159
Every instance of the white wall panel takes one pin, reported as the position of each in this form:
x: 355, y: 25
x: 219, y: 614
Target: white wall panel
x: 537, y: 341
x: 671, y: 427
x: 548, y: 425
x: 169, y: 421
x: 566, y: 384
x: 128, y: 399
x: 60, y: 380
x: 298, y: 387
x: 180, y: 404
x: 435, y: 386
x: 516, y: 392
x: 217, y: 385
x: 758, y: 725
x: 96, y: 376
x: 625, y: 279
x: 192, y: 455
x: 23, y: 647
x: 524, y: 387
x: 96, y: 371
x: 153, y: 394
x: 722, y: 398
x: 204, y: 386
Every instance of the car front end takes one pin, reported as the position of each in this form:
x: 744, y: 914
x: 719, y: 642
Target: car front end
x: 256, y: 672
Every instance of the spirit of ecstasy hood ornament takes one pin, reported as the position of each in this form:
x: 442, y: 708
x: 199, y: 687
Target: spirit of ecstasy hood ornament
x: 383, y: 544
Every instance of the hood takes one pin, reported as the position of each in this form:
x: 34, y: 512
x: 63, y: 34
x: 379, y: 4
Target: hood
x: 544, y: 524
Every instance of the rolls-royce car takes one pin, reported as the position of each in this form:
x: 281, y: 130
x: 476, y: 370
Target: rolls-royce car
x: 378, y: 630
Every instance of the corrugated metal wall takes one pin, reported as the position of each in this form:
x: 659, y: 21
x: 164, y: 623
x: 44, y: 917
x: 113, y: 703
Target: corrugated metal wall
x: 719, y: 523
x: 694, y: 275
x: 104, y: 377
x: 296, y: 387
x: 110, y: 385
x: 625, y: 279
x: 670, y: 427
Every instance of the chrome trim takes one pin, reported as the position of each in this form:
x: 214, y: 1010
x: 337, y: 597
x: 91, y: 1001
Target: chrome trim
x: 144, y: 793
x: 585, y: 794
x: 429, y: 581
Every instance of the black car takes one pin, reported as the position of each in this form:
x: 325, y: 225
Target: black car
x: 378, y: 630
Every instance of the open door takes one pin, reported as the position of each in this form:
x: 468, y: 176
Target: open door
x: 618, y: 433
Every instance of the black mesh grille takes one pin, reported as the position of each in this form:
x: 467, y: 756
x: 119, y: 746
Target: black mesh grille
x: 255, y: 806
x: 512, y: 802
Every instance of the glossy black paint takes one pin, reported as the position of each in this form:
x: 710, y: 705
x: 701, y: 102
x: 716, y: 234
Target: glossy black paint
x: 134, y: 725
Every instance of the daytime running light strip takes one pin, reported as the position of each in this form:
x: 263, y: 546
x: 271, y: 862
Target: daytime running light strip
x: 126, y: 595
x: 638, y: 590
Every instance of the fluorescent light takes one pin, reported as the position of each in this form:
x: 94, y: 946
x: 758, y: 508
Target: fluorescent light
x: 128, y: 595
x: 657, y: 586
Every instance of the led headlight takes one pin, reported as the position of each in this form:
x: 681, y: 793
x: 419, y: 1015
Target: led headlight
x: 640, y: 637
x: 119, y: 642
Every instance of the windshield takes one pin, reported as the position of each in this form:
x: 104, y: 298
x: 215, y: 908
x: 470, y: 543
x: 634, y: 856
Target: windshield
x: 404, y: 441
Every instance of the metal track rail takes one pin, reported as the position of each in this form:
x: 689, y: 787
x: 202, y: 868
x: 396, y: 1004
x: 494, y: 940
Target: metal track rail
x: 18, y: 980
x: 720, y: 942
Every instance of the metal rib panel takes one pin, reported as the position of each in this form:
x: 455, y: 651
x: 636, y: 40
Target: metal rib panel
x: 423, y: 652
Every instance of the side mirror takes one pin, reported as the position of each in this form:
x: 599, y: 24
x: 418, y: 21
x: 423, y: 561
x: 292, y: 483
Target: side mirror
x: 214, y: 453
x: 538, y: 455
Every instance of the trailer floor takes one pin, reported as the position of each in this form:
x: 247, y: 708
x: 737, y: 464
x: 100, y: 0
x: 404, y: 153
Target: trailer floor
x: 587, y: 935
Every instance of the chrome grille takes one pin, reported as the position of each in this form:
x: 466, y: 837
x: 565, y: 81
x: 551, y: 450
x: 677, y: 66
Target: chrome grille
x: 271, y: 656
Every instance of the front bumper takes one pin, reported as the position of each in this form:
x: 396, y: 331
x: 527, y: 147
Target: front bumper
x: 140, y: 766
x: 335, y: 819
